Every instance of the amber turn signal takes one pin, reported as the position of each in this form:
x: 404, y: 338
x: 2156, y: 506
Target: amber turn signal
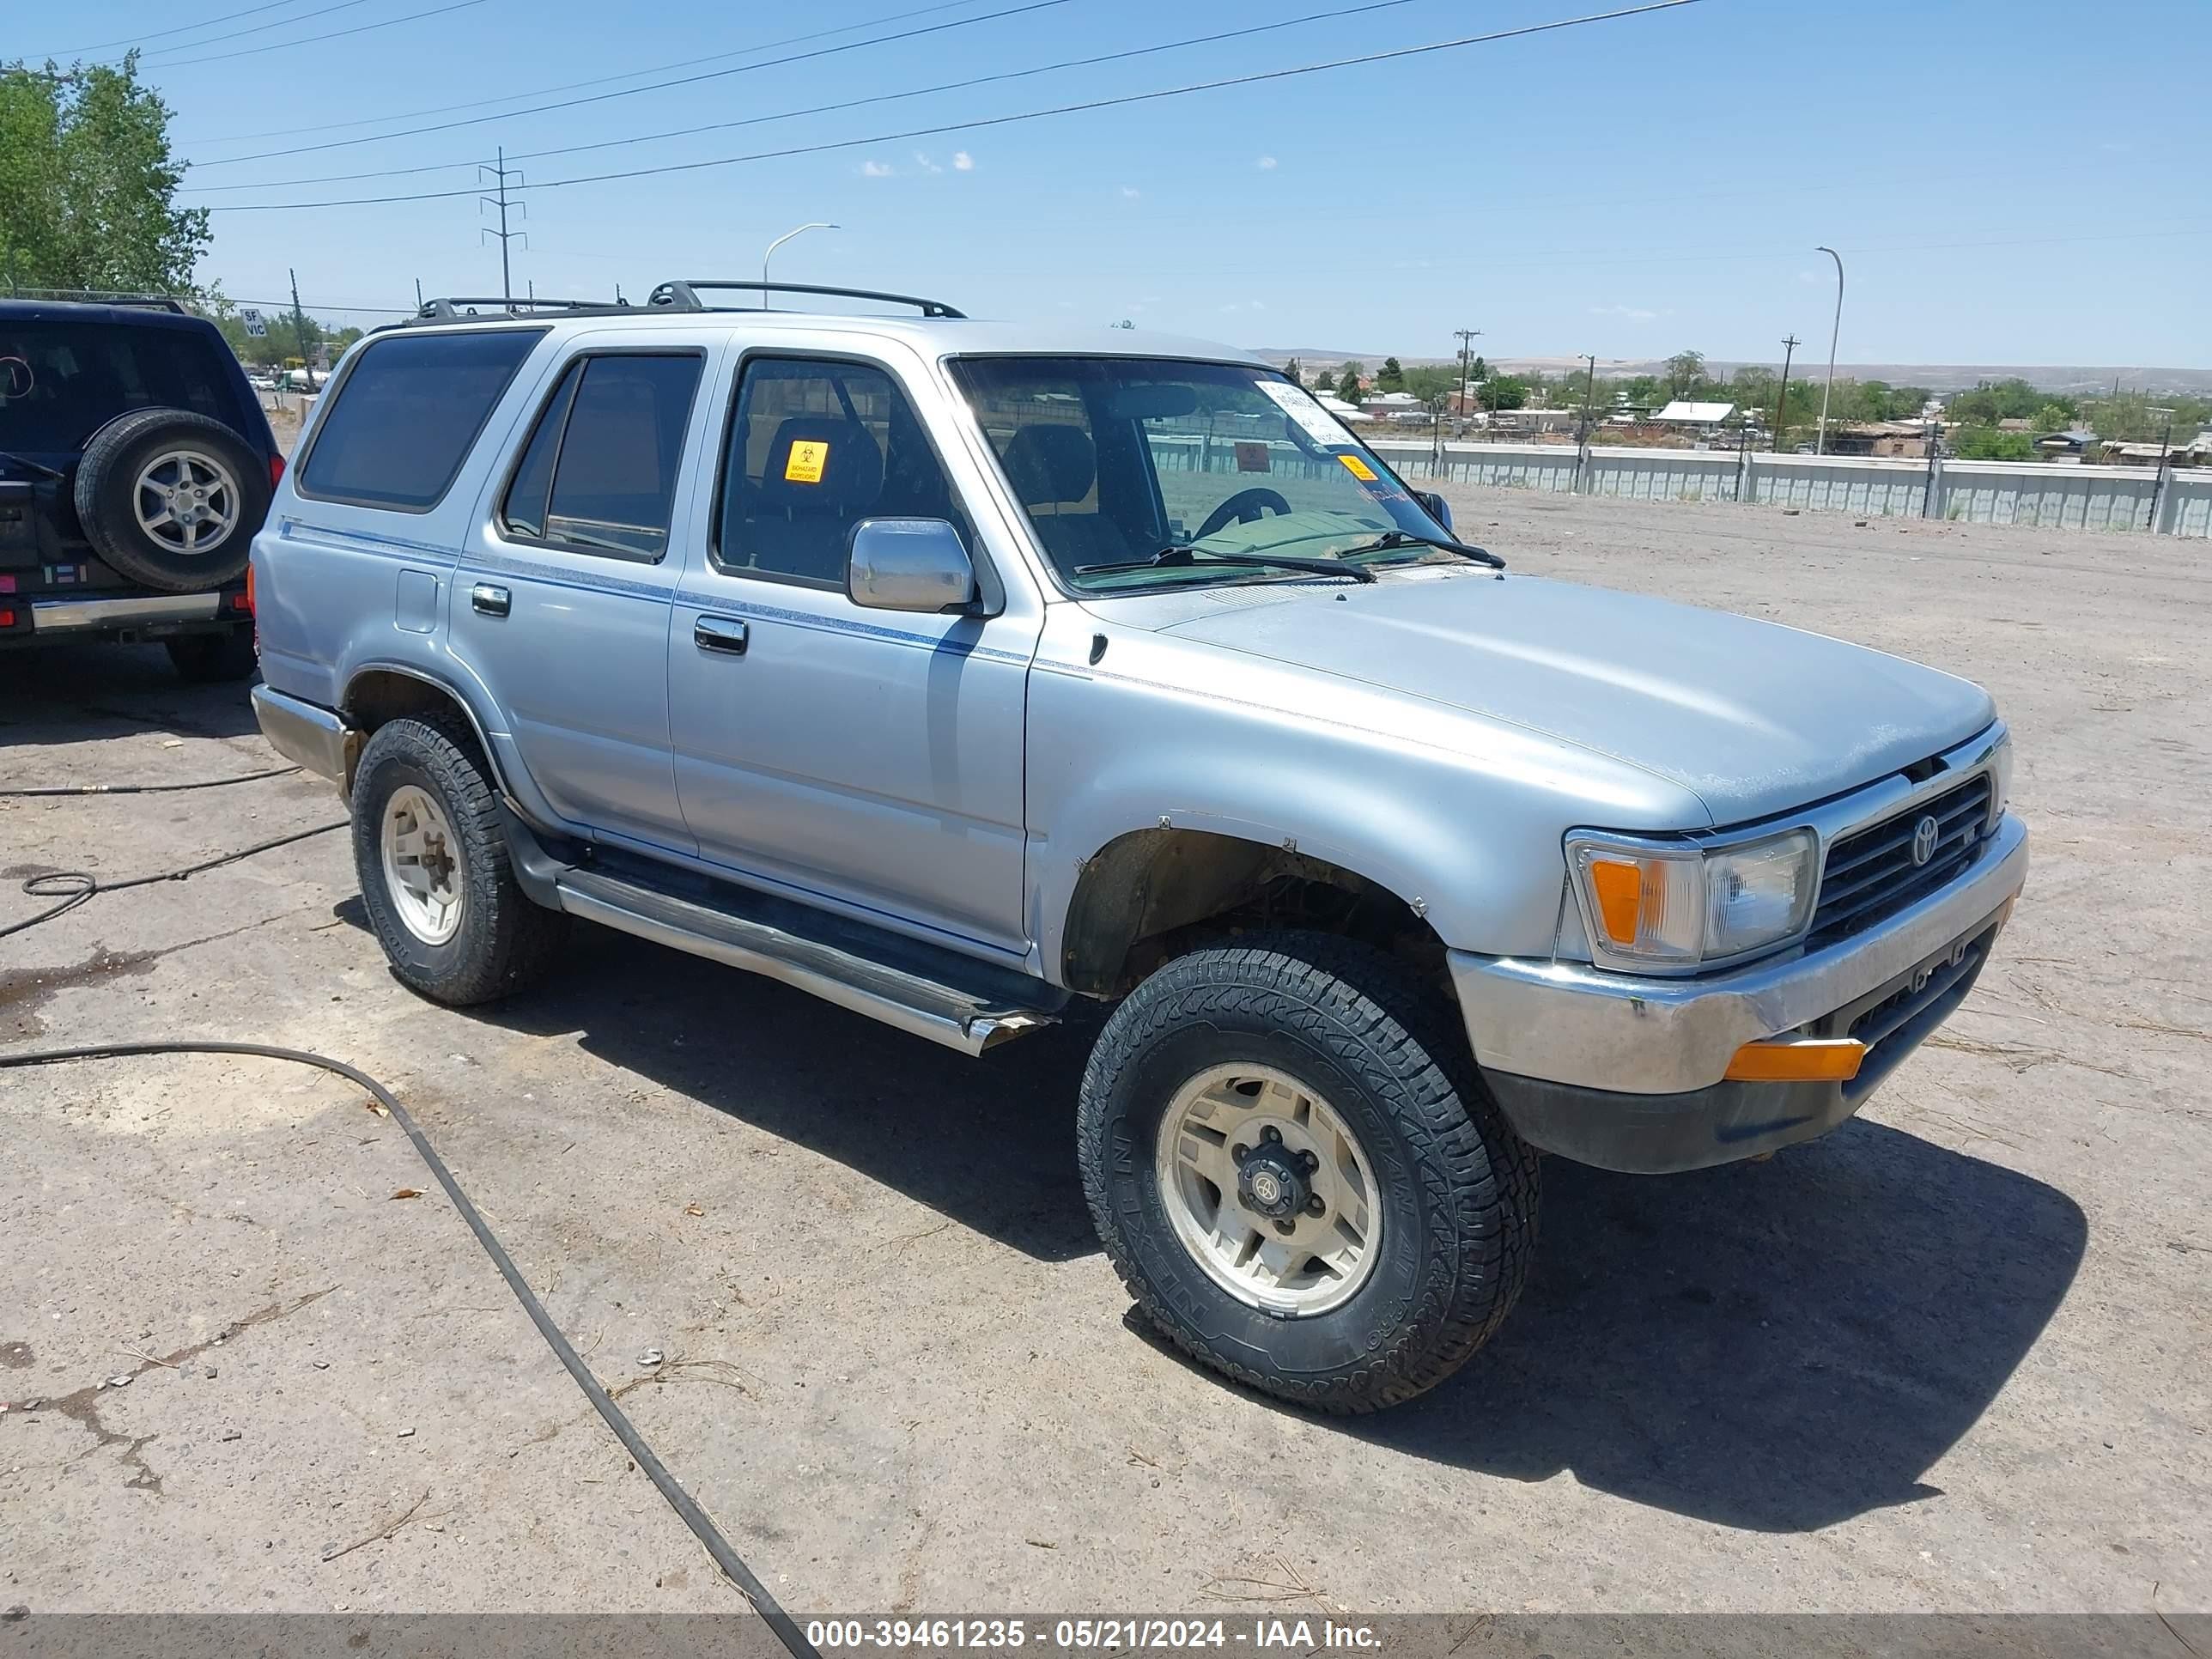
x: 1803, y: 1060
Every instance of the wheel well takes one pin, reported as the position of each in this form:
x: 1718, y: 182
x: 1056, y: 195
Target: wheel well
x: 377, y: 696
x: 1153, y: 894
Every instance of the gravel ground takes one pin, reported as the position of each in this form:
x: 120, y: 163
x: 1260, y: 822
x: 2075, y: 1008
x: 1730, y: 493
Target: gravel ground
x: 1952, y: 1357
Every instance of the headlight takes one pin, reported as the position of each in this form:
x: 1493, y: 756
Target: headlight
x: 1999, y: 778
x: 1678, y: 905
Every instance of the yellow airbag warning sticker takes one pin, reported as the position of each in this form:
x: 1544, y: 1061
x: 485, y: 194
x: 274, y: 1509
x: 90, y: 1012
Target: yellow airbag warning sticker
x: 807, y: 460
x: 1358, y: 468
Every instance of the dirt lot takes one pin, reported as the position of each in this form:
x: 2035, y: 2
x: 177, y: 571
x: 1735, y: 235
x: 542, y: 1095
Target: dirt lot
x: 1952, y: 1357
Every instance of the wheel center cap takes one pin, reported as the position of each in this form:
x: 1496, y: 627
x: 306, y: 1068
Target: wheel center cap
x: 1271, y: 1183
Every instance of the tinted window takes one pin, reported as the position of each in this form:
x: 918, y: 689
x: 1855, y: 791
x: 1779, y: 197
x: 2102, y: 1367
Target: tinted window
x: 61, y: 382
x: 407, y: 412
x: 816, y: 447
x: 523, y: 513
x: 614, y: 476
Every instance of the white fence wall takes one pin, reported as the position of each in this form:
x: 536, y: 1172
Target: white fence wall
x: 1976, y: 492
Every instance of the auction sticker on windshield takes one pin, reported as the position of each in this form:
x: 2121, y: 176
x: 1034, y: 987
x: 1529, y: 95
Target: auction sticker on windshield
x: 1312, y: 419
x: 1358, y: 468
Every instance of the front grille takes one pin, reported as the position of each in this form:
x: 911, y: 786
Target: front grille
x: 1870, y: 874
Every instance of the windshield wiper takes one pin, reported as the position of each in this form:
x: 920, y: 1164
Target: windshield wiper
x: 1407, y: 538
x: 1187, y: 556
x: 25, y: 460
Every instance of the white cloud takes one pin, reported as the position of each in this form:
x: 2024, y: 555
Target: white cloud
x: 925, y: 163
x: 1130, y: 193
x: 875, y: 170
x: 1267, y: 164
x: 1636, y: 312
x: 963, y: 161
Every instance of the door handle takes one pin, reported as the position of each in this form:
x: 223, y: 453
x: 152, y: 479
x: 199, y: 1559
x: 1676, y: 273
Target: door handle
x: 488, y: 600
x: 723, y: 634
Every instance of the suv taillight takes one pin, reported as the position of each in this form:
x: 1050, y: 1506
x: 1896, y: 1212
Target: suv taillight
x: 248, y: 594
x: 275, y: 471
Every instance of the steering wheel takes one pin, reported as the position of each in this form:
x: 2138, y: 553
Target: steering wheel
x: 1245, y: 507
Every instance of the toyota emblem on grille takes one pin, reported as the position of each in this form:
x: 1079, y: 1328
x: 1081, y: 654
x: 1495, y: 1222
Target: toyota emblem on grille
x: 1923, y: 840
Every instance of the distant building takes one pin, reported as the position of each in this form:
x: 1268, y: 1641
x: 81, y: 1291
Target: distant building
x: 1343, y: 411
x: 1892, y: 438
x: 2070, y: 445
x: 1706, y: 416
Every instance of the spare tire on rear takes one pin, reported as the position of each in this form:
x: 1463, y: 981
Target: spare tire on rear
x: 172, y: 499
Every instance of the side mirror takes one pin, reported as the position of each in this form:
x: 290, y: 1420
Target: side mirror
x: 1436, y: 507
x: 908, y: 564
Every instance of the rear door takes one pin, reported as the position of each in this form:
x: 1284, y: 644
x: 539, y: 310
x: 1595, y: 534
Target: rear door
x: 561, y: 602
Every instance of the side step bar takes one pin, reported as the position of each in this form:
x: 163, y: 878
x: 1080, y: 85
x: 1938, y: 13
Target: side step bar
x: 910, y: 998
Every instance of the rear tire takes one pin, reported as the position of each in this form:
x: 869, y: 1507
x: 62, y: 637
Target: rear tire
x: 214, y: 659
x: 431, y: 855
x: 1396, y: 1140
x: 172, y: 499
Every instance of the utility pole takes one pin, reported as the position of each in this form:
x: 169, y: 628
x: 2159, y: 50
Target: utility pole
x: 1582, y: 435
x: 501, y: 173
x: 299, y: 330
x: 1820, y: 439
x: 1790, y: 345
x: 1466, y: 338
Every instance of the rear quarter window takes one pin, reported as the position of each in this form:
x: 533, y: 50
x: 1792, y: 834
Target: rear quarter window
x: 405, y: 415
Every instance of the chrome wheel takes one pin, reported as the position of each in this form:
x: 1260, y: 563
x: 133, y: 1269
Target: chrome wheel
x: 1269, y: 1189
x: 421, y: 865
x: 186, y: 501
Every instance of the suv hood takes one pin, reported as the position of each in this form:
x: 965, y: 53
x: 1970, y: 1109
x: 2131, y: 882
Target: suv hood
x: 1753, y: 717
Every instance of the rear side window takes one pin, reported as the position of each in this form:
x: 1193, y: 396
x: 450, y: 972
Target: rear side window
x: 598, y: 474
x: 61, y: 382
x: 406, y: 413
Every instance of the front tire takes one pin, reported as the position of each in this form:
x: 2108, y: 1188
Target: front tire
x: 432, y: 860
x: 1299, y: 1177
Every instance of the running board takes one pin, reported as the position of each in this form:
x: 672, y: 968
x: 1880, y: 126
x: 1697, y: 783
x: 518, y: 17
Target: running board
x: 907, y: 994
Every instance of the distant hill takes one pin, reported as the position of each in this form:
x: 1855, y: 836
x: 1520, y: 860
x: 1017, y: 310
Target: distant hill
x: 2080, y: 379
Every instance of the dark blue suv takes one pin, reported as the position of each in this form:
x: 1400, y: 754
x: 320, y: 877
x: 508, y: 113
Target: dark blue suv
x: 135, y: 465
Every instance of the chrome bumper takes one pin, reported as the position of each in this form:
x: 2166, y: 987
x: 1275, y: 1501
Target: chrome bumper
x: 311, y: 737
x: 1568, y: 1023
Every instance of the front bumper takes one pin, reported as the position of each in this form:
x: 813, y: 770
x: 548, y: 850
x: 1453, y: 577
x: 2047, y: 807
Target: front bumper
x: 1627, y: 1072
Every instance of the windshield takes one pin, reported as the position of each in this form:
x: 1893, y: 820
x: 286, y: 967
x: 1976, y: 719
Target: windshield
x: 1117, y: 460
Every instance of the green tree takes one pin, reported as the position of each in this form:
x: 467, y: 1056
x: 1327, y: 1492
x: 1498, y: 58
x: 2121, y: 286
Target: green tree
x: 1349, y: 377
x: 1295, y: 371
x: 1683, y: 370
x: 1504, y: 391
x: 88, y: 187
x: 1327, y: 383
x: 1391, y: 377
x: 1428, y: 381
x: 1986, y: 443
x: 2050, y: 418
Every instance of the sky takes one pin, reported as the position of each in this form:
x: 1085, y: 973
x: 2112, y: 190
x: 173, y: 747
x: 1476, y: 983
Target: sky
x: 2007, y: 182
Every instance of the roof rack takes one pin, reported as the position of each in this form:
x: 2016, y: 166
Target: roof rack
x: 462, y: 308
x: 685, y: 296
x: 86, y: 296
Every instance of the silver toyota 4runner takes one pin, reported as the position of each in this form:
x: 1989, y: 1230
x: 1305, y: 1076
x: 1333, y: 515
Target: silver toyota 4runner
x: 964, y: 674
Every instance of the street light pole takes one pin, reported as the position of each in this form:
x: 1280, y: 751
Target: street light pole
x: 1820, y: 439
x: 778, y: 243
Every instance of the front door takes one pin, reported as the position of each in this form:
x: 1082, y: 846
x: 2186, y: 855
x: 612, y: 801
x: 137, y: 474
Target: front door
x: 871, y: 758
x: 560, y: 605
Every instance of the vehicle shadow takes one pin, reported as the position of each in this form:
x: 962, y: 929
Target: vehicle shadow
x: 78, y: 692
x: 989, y: 1142
x: 1775, y: 1347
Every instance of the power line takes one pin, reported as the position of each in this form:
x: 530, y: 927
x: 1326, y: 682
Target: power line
x: 181, y: 28
x: 282, y: 23
x: 980, y: 124
x: 571, y: 86
x: 310, y: 39
x: 826, y: 109
x: 657, y: 86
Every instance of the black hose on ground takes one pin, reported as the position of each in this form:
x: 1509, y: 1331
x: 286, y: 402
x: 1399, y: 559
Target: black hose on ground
x: 144, y: 788
x: 686, y: 1508
x: 76, y: 887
